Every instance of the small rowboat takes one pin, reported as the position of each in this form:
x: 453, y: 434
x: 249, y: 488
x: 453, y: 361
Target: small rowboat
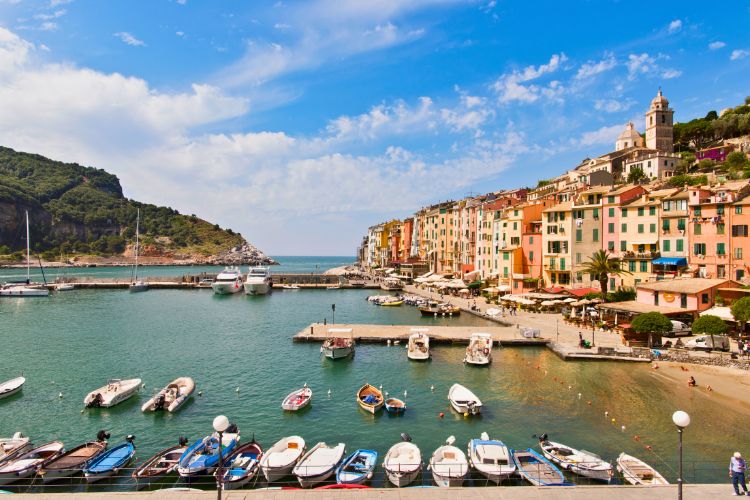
x: 357, y: 468
x: 297, y: 399
x: 11, y: 387
x: 11, y: 447
x: 318, y: 464
x: 581, y: 462
x: 172, y: 397
x: 449, y: 465
x: 27, y: 464
x: 536, y: 469
x: 403, y: 462
x: 73, y: 461
x: 242, y: 466
x: 464, y: 401
x: 110, y: 462
x: 160, y: 465
x: 395, y: 406
x: 279, y: 460
x: 370, y: 398
x: 419, y: 345
x: 636, y: 471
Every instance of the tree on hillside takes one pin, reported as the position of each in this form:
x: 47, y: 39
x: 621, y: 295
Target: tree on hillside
x: 635, y: 175
x: 602, y: 264
x: 652, y: 323
x: 737, y: 160
x: 741, y: 311
x: 712, y: 115
x: 710, y: 325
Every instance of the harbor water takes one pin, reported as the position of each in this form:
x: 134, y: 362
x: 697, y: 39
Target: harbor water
x: 240, y: 353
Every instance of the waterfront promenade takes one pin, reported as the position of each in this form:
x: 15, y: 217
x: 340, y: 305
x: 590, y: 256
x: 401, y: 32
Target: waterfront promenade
x: 691, y: 491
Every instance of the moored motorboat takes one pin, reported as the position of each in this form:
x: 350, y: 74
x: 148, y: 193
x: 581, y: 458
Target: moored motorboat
x: 318, y: 464
x: 403, y: 462
x: 435, y: 309
x: 14, y: 446
x: 395, y: 406
x: 449, y: 465
x: 116, y: 391
x: 291, y: 287
x: 228, y: 281
x: 12, y: 386
x: 464, y: 401
x: 491, y: 458
x: 203, y: 456
x: 172, y: 397
x: 73, y: 461
x: 110, y: 462
x: 536, y: 469
x: 258, y: 281
x: 479, y: 350
x: 581, y: 462
x: 339, y: 343
x: 370, y: 398
x: 357, y: 468
x: 418, y: 348
x: 637, y: 472
x: 26, y: 464
x: 65, y: 287
x: 160, y: 465
x: 298, y: 399
x: 241, y: 466
x: 279, y: 460
x: 392, y: 303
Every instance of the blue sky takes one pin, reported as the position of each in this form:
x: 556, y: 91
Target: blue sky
x: 302, y: 123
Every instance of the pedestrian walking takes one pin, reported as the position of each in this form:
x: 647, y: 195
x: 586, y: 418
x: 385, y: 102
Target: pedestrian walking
x: 737, y: 473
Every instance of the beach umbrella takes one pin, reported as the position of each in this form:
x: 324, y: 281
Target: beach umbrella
x: 571, y: 299
x: 549, y: 302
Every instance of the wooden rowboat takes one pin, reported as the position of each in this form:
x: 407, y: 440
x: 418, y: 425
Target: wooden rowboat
x: 395, y: 406
x: 297, y: 399
x: 370, y: 398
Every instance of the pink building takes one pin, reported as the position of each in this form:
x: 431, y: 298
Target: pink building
x: 611, y: 203
x: 691, y: 294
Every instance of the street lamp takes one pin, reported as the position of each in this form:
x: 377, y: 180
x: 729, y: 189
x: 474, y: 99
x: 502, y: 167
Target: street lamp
x: 221, y: 424
x: 681, y: 420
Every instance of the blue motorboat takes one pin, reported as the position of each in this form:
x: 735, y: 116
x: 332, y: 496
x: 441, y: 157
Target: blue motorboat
x: 536, y: 469
x: 110, y: 462
x: 357, y: 468
x: 203, y: 456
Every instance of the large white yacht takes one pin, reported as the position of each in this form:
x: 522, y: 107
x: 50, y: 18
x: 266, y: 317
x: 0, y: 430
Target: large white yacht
x: 258, y: 281
x: 228, y: 281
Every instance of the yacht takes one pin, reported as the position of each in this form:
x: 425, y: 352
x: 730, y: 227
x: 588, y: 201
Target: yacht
x: 26, y: 288
x: 258, y: 281
x: 228, y: 281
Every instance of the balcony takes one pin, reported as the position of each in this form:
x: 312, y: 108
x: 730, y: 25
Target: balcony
x: 640, y: 255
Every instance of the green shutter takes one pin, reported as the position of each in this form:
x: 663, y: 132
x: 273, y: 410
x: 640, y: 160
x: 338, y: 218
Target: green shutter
x: 611, y: 227
x: 720, y: 249
x: 612, y: 211
x: 596, y: 235
x: 623, y: 228
x: 652, y: 228
x: 623, y: 245
x: 579, y: 234
x: 665, y: 245
x: 679, y: 244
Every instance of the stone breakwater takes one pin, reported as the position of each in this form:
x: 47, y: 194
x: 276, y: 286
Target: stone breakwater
x: 724, y: 360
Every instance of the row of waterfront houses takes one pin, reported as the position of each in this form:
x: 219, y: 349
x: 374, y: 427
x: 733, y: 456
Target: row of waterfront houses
x: 531, y: 238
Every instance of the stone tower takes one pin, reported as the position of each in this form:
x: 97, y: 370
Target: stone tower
x: 659, y: 125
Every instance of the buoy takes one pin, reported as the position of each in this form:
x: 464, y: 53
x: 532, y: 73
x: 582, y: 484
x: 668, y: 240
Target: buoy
x: 432, y: 388
x: 466, y: 414
x: 143, y: 386
x: 613, y: 420
x: 59, y: 395
x: 441, y: 414
x: 381, y: 387
x: 329, y: 392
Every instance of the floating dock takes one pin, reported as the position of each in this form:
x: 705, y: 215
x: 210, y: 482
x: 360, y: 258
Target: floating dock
x: 381, y: 334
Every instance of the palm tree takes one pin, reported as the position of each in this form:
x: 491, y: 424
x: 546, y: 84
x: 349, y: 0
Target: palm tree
x: 601, y: 264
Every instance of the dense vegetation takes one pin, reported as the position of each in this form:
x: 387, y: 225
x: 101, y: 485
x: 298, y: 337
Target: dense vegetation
x: 704, y: 132
x: 67, y: 200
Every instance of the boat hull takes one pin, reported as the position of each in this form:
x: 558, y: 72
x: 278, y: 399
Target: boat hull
x: 226, y: 288
x: 273, y: 474
x: 11, y: 392
x: 447, y: 481
x: 133, y: 386
x: 402, y: 479
x: 336, y: 352
x: 24, y: 292
x: 257, y: 288
x: 138, y: 287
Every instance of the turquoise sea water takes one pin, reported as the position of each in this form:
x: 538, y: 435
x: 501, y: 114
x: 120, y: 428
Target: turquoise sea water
x: 72, y: 342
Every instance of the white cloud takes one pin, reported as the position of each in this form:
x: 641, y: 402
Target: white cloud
x: 179, y: 33
x: 48, y: 26
x: 739, y: 54
x: 717, y: 45
x: 613, y: 105
x: 51, y: 15
x: 603, y: 135
x: 648, y: 65
x: 55, y: 3
x: 675, y: 26
x: 514, y: 86
x: 129, y: 39
x: 671, y: 73
x: 181, y: 2
x: 592, y: 68
x: 281, y: 26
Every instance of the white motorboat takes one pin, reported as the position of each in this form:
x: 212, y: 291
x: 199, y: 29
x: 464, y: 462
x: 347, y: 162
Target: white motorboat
x: 318, y: 464
x: 449, y: 465
x: 464, y: 401
x: 298, y: 399
x: 258, y: 281
x: 116, y: 391
x: 12, y: 386
x: 418, y: 348
x: 581, y: 462
x: 290, y: 287
x: 65, y: 287
x: 491, y: 458
x: 172, y: 397
x: 27, y: 464
x: 13, y: 446
x: 279, y: 460
x: 403, y: 463
x: 637, y: 472
x: 228, y: 281
x: 137, y: 285
x: 26, y: 288
x: 479, y: 351
x: 337, y: 346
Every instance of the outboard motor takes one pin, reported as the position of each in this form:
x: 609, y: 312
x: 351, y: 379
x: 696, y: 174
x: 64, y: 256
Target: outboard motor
x: 97, y: 401
x: 405, y: 437
x: 159, y: 403
x: 130, y: 439
x: 232, y: 429
x: 182, y: 440
x: 543, y: 438
x: 102, y: 436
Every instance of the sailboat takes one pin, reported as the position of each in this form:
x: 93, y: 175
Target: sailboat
x: 137, y: 285
x: 26, y: 288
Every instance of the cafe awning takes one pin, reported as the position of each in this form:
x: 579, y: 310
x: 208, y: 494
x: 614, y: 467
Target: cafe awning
x: 670, y: 261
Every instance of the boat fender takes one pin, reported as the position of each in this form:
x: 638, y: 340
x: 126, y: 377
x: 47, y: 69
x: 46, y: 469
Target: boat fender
x: 486, y: 351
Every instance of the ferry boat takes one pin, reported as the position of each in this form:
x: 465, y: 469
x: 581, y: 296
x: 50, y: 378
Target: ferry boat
x: 228, y: 281
x: 258, y: 281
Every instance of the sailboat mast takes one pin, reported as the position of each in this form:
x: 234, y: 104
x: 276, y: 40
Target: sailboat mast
x: 137, y: 229
x: 28, y: 250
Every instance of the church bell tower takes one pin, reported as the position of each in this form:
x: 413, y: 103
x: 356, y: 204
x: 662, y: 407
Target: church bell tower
x: 659, y: 125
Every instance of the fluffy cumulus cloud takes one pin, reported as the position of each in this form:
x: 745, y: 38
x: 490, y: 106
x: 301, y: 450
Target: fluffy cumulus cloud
x: 675, y: 26
x: 517, y: 85
x: 739, y: 54
x: 593, y: 68
x: 613, y: 105
x: 718, y: 44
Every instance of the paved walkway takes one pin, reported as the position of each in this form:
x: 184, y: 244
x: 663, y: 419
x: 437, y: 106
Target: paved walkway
x: 691, y: 491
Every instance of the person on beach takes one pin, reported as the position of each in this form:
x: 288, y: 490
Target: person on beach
x: 691, y: 382
x: 737, y: 473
